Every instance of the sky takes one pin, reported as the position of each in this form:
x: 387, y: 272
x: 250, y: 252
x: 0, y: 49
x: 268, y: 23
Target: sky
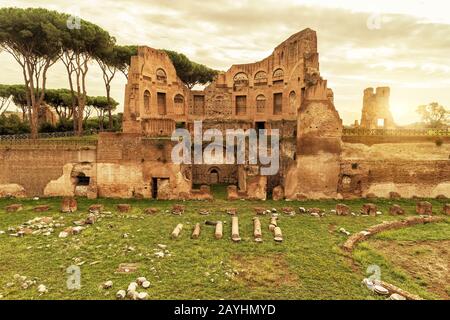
x: 403, y: 44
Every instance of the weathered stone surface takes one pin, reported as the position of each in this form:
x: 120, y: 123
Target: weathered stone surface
x: 69, y: 205
x: 231, y: 211
x: 97, y: 208
x: 124, y: 208
x: 14, y: 208
x: 369, y: 209
x: 446, y: 209
x: 288, y: 210
x: 151, y: 211
x: 394, y: 195
x: 371, y: 196
x: 176, y: 232
x: 342, y: 209
x: 441, y: 197
x: 196, y: 231
x: 257, y: 232
x: 235, y: 229
x: 178, y: 209
x: 273, y: 223
x: 424, y: 208
x: 277, y: 234
x: 12, y: 191
x: 218, y: 234
x: 41, y: 208
x: 127, y: 268
x: 315, y: 210
x: 232, y: 193
x: 396, y: 210
x: 260, y: 211
x: 278, y: 193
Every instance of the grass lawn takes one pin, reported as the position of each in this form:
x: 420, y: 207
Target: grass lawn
x: 309, y: 264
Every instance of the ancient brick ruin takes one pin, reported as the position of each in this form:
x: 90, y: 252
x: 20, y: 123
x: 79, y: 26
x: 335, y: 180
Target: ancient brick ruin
x: 284, y: 91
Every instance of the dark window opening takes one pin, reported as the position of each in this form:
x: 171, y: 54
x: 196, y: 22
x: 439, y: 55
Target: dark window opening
x: 82, y: 180
x: 277, y: 103
x: 162, y: 103
x: 154, y: 188
x: 260, y: 125
x: 354, y: 166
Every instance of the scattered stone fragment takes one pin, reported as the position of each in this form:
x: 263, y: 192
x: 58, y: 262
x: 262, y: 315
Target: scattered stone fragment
x: 260, y: 211
x: 273, y: 223
x: 127, y: 268
x: 121, y: 294
x: 274, y: 210
x: 342, y: 209
x: 132, y: 286
x: 132, y: 295
x: 381, y: 290
x: 41, y: 208
x: 178, y: 209
x: 196, y: 232
x: 257, y: 232
x: 177, y: 230
x: 124, y: 207
x: 302, y: 210
x: 203, y: 212
x: 424, y: 208
x: 396, y: 210
x: 235, y: 229
x: 69, y: 205
x: 151, y: 211
x: 96, y: 208
x: 14, y: 208
x: 315, y: 210
x: 218, y: 234
x: 42, y: 289
x: 396, y: 296
x: 289, y: 211
x: 142, y: 296
x: 441, y: 197
x: 342, y: 230
x: 369, y: 209
x: 231, y: 211
x: 162, y: 246
x: 146, y: 284
x: 159, y: 254
x: 379, y: 213
x: 315, y: 214
x: 278, y: 236
x: 107, y: 285
x: 91, y: 219
x: 141, y: 280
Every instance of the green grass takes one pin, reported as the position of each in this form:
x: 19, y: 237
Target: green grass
x: 309, y: 264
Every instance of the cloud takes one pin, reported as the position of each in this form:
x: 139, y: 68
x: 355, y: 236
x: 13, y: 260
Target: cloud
x: 409, y: 51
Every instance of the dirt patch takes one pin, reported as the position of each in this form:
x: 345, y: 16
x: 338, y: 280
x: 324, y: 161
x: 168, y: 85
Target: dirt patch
x: 426, y: 261
x: 265, y: 271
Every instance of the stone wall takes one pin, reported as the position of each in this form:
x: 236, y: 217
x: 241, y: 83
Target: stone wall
x: 376, y: 111
x: 409, y: 169
x: 43, y: 168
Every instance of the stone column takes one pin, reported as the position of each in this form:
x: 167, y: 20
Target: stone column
x: 235, y: 229
x: 177, y: 230
x: 196, y: 232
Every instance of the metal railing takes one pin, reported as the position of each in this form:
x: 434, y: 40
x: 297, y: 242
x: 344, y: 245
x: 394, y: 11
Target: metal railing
x: 397, y: 132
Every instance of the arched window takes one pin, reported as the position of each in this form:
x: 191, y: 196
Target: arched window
x: 161, y: 76
x: 179, y: 103
x: 260, y: 78
x: 260, y: 104
x: 147, y: 101
x: 278, y: 76
x: 240, y: 80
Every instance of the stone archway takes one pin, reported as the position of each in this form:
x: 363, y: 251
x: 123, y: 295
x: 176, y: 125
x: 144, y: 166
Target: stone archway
x: 214, y: 175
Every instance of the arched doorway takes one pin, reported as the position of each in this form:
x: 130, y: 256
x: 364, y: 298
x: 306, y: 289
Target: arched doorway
x: 214, y: 176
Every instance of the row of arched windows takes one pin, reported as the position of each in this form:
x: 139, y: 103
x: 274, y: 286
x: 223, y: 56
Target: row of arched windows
x: 241, y: 78
x: 178, y: 100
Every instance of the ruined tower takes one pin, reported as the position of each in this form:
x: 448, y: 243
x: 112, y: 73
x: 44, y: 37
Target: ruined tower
x: 376, y: 113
